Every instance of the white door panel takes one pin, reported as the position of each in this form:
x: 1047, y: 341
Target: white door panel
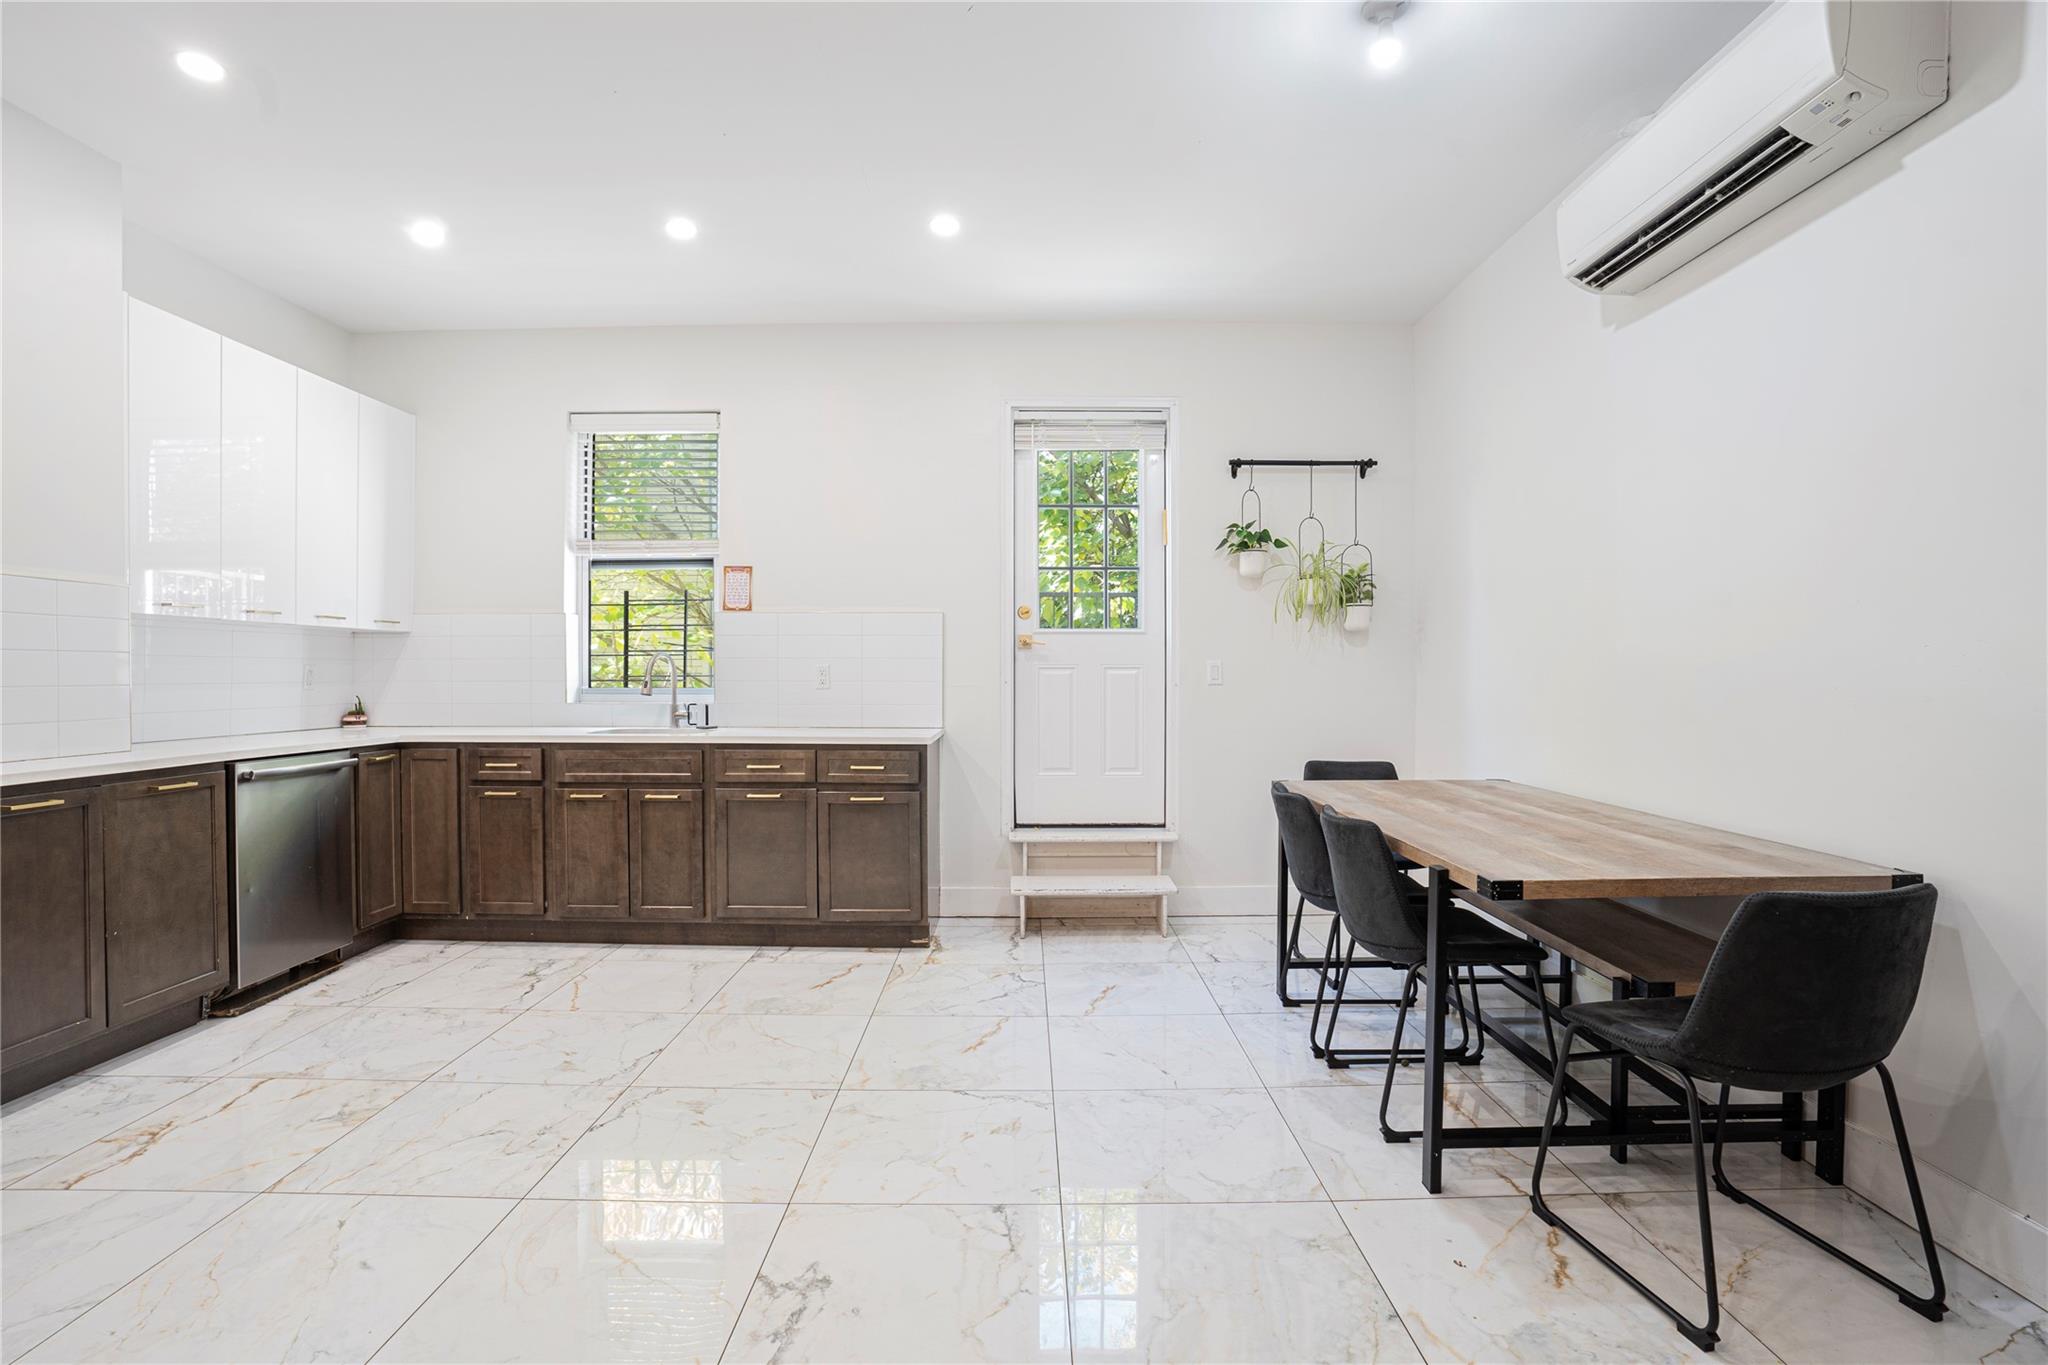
x: 174, y: 535
x: 384, y: 536
x: 326, y: 503
x: 259, y: 398
x: 1089, y: 607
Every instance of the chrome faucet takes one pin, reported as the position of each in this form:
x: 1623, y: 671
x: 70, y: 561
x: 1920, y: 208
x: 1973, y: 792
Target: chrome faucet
x: 675, y: 710
x: 678, y: 712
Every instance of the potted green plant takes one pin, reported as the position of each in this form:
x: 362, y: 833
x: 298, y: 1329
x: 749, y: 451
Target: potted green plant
x: 1312, y: 593
x: 1355, y: 592
x: 356, y: 715
x: 1250, y: 547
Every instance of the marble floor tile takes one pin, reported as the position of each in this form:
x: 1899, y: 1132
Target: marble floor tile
x: 825, y: 957
x: 1149, y: 1052
x: 1123, y: 988
x: 951, y: 1052
x: 1806, y: 1306
x: 1484, y: 1279
x: 541, y: 948
x: 1339, y: 1128
x: 538, y: 1048
x: 1278, y: 1045
x: 299, y: 1277
x: 978, y: 943
x: 456, y: 1138
x: 487, y: 982
x: 59, y: 1119
x: 65, y: 1250
x: 1116, y: 941
x: 934, y: 1147
x: 682, y: 952
x: 1179, y: 1146
x: 1224, y: 1282
x: 961, y: 1282
x: 595, y: 1281
x: 781, y: 1052
x: 841, y: 986
x: 369, y: 975
x: 222, y: 1047
x: 381, y: 1044
x: 1247, y: 987
x: 942, y: 988
x: 641, y: 987
x: 1232, y: 938
x: 236, y: 1133
x: 666, y: 1143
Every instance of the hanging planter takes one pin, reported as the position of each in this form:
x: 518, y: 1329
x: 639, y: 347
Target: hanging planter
x: 1311, y: 591
x: 1249, y: 544
x: 1355, y: 587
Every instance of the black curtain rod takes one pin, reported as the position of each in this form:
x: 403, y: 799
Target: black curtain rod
x: 1360, y: 465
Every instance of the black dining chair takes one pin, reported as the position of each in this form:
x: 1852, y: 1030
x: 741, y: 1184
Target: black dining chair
x: 1308, y: 867
x: 1806, y: 990
x: 1333, y: 770
x: 1387, y: 914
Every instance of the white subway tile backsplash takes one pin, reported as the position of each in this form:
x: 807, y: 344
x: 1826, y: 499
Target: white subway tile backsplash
x: 902, y: 623
x: 64, y: 667
x: 108, y: 600
x: 31, y: 667
x: 34, y: 595
x: 36, y: 740
x: 27, y: 630
x: 903, y: 647
x: 97, y: 634
x: 818, y: 646
x: 106, y: 702
x: 28, y: 705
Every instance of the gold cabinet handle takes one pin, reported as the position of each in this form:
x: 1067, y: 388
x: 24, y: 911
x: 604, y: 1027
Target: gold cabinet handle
x: 764, y: 767
x: 661, y: 796
x: 382, y: 758
x: 261, y: 611
x: 867, y: 767
x: 501, y: 793
x: 177, y: 786
x: 764, y: 796
x: 867, y: 798
x: 38, y: 805
x: 504, y: 765
x: 586, y: 796
x: 384, y: 621
x: 329, y: 616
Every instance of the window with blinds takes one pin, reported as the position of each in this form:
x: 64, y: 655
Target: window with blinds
x: 649, y: 478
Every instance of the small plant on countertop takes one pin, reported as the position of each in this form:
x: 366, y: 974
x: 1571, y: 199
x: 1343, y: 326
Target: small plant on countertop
x: 356, y: 715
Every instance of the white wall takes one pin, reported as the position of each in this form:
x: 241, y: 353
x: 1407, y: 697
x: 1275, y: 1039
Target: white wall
x: 164, y: 274
x: 863, y: 470
x: 63, y: 471
x: 1764, y: 549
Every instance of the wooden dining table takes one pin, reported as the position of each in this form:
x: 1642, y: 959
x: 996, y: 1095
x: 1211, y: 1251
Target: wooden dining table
x: 1506, y: 845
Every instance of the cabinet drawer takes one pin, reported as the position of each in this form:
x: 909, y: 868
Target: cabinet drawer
x: 843, y: 766
x: 763, y: 765
x: 501, y: 765
x: 634, y: 764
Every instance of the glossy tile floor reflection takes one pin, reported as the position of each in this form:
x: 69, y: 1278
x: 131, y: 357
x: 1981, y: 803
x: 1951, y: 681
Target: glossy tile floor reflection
x: 1089, y: 1144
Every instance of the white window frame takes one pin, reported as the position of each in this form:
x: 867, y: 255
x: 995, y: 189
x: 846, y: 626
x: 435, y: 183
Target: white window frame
x: 582, y: 554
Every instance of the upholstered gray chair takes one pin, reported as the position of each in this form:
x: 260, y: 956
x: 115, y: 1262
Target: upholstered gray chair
x: 1806, y: 990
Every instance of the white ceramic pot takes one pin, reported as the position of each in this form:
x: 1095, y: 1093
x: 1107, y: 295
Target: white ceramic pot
x: 1250, y: 563
x: 1358, y: 619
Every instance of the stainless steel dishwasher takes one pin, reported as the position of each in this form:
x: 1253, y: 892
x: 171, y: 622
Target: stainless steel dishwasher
x: 295, y: 862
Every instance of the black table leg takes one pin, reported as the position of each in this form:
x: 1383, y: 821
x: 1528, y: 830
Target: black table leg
x: 1280, y: 930
x: 1833, y: 1117
x: 1792, y: 1105
x: 1617, y: 1081
x: 1437, y: 970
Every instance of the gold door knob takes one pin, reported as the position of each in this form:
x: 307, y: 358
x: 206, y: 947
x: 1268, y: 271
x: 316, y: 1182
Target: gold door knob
x: 1025, y: 642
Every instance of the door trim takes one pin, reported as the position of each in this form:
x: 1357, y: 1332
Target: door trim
x: 1006, y: 604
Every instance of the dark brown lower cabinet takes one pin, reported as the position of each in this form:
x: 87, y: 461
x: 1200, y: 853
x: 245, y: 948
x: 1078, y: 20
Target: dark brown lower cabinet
x: 166, y: 881
x: 53, y: 931
x: 870, y: 856
x: 586, y: 829
x: 764, y: 853
x: 380, y: 845
x: 665, y: 852
x: 431, y: 845
x: 504, y: 862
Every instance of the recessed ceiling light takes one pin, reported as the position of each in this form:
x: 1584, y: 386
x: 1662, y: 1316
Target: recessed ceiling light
x: 945, y: 225
x: 201, y: 67
x: 1385, y: 51
x: 682, y: 229
x: 427, y: 232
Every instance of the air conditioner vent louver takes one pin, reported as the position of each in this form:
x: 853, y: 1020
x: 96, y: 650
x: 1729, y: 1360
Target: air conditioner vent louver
x: 1741, y: 174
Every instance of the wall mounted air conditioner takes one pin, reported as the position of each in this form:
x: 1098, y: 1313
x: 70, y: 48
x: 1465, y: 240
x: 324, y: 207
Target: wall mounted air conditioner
x: 1799, y: 94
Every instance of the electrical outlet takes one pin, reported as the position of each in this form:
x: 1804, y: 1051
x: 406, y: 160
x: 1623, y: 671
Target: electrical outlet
x: 824, y: 676
x: 1215, y: 672
x: 307, y: 681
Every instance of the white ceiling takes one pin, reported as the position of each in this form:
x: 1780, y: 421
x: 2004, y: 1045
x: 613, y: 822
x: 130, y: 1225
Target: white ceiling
x: 1110, y: 161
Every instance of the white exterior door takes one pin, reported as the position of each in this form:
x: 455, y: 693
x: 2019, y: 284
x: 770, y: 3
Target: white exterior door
x: 1089, y: 611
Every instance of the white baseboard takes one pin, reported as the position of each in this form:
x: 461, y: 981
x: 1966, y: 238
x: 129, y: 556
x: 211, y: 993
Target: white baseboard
x: 996, y: 902
x: 1996, y: 1238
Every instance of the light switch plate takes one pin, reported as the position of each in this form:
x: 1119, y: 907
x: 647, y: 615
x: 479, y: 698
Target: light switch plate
x: 1215, y: 672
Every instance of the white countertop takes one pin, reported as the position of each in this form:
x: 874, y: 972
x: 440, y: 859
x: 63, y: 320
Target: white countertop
x: 234, y: 748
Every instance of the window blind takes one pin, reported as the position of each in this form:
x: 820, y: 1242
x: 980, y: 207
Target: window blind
x: 648, y: 478
x: 1140, y: 429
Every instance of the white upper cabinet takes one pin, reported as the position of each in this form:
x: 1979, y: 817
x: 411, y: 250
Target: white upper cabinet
x: 259, y: 465
x: 384, y: 540
x: 326, y: 503
x: 174, y: 509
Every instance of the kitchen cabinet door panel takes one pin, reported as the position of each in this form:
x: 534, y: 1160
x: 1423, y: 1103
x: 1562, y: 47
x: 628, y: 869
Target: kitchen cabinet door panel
x: 259, y: 470
x: 764, y: 853
x: 587, y: 853
x: 504, y: 858
x: 430, y: 837
x: 53, y: 987
x: 871, y: 856
x: 665, y: 852
x: 166, y: 879
x: 380, y: 862
x: 326, y: 503
x: 384, y: 533
x: 174, y: 427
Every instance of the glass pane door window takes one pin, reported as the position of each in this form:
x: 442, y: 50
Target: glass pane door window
x: 1088, y: 561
